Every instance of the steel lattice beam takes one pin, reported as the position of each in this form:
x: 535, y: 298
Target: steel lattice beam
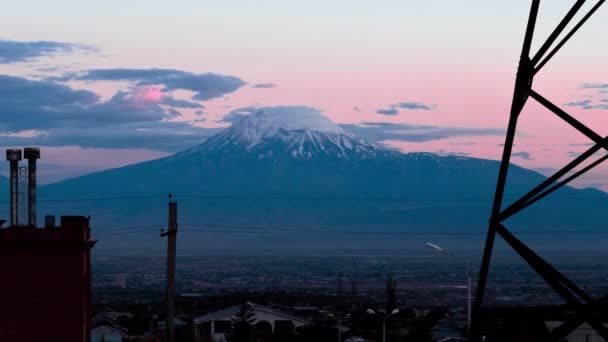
x: 587, y: 309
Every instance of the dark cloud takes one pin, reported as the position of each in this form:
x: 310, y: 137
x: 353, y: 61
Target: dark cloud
x: 389, y: 111
x: 581, y: 103
x: 588, y: 104
x: 356, y: 109
x: 42, y: 105
x: 394, y: 108
x: 381, y: 131
x: 523, y: 155
x: 161, y: 136
x: 57, y: 115
x: 264, y: 85
x: 445, y: 152
x: 206, y: 86
x: 413, y: 106
x: 14, y: 51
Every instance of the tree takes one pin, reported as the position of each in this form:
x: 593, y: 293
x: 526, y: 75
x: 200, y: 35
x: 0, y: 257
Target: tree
x: 242, y: 324
x: 420, y: 331
x: 391, y: 295
x: 283, y: 332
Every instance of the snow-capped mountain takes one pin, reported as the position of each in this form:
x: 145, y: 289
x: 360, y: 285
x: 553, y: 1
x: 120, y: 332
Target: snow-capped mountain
x: 300, y: 132
x: 282, y: 168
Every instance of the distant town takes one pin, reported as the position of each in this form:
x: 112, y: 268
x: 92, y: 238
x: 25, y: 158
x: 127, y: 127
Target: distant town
x: 319, y: 288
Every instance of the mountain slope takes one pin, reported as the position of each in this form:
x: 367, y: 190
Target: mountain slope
x: 272, y: 170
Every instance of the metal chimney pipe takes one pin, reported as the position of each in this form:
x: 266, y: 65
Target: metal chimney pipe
x: 31, y: 154
x: 14, y: 156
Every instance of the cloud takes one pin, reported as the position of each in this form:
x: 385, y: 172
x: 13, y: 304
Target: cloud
x: 264, y: 85
x: 382, y: 131
x: 169, y: 101
x: 581, y: 144
x: 444, y: 152
x: 523, y: 155
x: 582, y: 103
x: 14, y: 51
x: 52, y: 114
x: 206, y: 86
x: 594, y: 86
x: 414, y: 106
x: 389, y: 111
x: 356, y: 109
x: 160, y: 136
x: 34, y: 104
x: 236, y: 115
x: 588, y: 104
x: 394, y: 108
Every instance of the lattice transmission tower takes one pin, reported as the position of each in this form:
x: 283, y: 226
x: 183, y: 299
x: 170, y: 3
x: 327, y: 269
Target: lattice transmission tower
x: 584, y: 307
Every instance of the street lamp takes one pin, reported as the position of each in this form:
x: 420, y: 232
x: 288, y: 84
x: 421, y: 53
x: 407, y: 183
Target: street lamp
x: 394, y: 312
x: 466, y: 262
x: 339, y: 321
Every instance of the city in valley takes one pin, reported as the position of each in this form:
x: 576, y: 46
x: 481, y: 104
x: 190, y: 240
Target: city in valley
x: 322, y: 286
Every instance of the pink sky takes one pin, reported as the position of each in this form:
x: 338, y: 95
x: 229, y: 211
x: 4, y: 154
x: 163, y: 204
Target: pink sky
x: 461, y: 57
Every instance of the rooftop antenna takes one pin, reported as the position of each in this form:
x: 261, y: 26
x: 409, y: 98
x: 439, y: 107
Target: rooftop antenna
x: 587, y: 309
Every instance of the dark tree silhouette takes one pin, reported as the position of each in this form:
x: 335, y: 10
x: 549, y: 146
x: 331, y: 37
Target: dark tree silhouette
x: 420, y: 331
x: 283, y: 332
x: 242, y: 324
x: 391, y: 295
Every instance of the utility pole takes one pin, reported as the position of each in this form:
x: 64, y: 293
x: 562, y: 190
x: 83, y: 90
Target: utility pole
x: 171, y: 235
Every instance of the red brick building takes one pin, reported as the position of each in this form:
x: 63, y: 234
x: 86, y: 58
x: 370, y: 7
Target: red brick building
x: 46, y: 282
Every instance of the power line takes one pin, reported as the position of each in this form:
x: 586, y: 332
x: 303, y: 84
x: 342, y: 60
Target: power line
x: 290, y: 198
x: 314, y: 230
x: 125, y: 229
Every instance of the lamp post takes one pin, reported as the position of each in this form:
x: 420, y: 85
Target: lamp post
x: 466, y: 263
x: 394, y: 312
x: 339, y: 321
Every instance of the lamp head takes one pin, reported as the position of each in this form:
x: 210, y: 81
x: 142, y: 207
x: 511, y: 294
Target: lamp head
x: 434, y: 246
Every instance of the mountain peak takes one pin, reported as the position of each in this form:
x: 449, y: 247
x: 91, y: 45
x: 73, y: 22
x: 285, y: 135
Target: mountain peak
x: 299, y: 131
x: 269, y: 120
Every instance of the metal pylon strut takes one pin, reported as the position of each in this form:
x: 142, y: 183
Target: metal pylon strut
x: 587, y: 308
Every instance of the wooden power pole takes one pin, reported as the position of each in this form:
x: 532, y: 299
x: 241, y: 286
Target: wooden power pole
x: 171, y: 235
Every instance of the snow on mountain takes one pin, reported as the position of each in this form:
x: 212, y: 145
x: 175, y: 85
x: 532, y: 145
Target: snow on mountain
x: 301, y: 132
